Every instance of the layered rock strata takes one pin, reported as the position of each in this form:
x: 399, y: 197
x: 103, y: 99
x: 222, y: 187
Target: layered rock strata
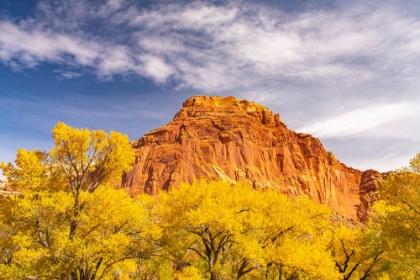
x: 233, y: 140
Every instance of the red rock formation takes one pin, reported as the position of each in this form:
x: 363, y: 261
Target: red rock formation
x: 368, y: 192
x: 230, y: 139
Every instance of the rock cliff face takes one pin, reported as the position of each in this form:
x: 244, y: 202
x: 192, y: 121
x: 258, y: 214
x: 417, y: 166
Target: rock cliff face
x: 230, y: 139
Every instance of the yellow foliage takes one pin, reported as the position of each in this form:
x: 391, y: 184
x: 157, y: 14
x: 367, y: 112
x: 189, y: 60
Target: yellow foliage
x: 113, y: 229
x: 188, y: 273
x: 30, y: 170
x: 398, y: 215
x: 358, y: 252
x: 64, y: 224
x: 88, y: 159
x: 233, y: 231
x: 67, y: 222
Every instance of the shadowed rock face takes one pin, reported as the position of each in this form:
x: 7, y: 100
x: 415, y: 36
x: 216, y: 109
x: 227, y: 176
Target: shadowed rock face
x: 230, y: 139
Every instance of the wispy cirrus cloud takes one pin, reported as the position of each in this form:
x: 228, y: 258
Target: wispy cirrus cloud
x: 30, y: 46
x: 362, y: 120
x: 217, y: 48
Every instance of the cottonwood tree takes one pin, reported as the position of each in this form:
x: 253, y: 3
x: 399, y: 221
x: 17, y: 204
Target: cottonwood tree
x: 358, y: 252
x: 67, y: 222
x: 398, y: 214
x: 235, y: 232
x: 88, y: 159
x: 202, y: 223
x: 294, y: 238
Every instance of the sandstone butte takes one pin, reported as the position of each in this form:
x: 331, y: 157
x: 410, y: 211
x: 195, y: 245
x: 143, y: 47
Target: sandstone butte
x: 229, y: 139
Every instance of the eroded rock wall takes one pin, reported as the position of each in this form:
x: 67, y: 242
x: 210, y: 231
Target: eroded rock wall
x: 230, y: 139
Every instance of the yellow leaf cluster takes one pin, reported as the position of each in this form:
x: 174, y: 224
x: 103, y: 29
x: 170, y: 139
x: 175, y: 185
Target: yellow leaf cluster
x: 90, y: 158
x: 29, y: 171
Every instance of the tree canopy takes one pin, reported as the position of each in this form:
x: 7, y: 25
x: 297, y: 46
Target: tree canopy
x: 67, y: 221
x: 398, y: 215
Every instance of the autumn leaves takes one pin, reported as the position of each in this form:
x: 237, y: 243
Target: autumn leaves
x: 218, y: 231
x: 69, y: 223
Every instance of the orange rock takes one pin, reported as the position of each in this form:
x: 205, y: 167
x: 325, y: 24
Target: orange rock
x: 230, y: 139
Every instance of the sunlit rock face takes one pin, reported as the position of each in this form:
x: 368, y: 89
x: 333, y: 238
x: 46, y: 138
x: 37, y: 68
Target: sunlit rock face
x: 229, y: 139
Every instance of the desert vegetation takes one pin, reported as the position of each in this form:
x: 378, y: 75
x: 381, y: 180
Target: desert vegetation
x: 67, y: 221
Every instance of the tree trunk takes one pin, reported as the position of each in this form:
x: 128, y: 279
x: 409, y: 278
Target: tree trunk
x: 213, y: 276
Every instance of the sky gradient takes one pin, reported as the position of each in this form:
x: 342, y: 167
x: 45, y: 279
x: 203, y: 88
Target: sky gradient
x: 347, y: 72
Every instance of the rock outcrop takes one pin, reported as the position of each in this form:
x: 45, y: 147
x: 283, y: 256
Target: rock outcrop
x: 230, y: 139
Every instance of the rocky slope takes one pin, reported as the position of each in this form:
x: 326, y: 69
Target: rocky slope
x: 230, y: 139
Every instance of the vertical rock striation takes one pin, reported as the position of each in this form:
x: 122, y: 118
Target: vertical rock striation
x: 230, y: 139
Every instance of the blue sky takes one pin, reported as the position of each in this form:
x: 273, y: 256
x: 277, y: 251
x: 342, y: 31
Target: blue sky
x: 347, y: 72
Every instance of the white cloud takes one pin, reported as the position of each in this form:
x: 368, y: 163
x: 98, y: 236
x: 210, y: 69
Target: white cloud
x: 32, y: 46
x: 68, y: 74
x: 362, y: 120
x: 156, y: 68
x: 219, y: 48
x: 115, y: 60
